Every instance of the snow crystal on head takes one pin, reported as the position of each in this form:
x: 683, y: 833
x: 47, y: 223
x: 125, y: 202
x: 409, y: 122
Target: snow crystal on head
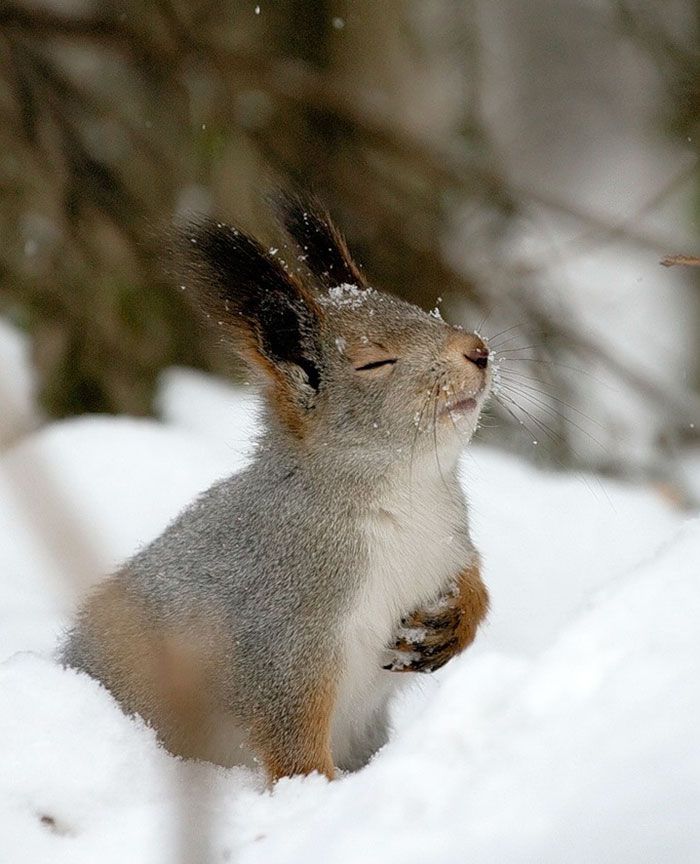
x: 436, y: 311
x: 346, y: 295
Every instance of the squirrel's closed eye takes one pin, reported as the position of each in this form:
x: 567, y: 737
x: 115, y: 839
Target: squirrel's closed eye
x: 376, y: 364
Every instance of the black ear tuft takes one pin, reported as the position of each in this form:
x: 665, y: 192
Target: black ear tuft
x: 323, y: 248
x: 245, y: 288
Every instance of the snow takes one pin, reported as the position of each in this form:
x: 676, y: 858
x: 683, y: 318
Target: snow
x: 347, y: 295
x: 566, y: 734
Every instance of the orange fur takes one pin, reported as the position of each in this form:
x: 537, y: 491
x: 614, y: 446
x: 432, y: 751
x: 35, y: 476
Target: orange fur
x: 299, y: 744
x: 473, y: 602
x: 167, y: 676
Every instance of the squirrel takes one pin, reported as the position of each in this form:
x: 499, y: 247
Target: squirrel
x: 272, y: 621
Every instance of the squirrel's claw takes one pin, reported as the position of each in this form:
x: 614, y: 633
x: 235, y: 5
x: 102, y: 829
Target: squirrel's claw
x: 423, y: 657
x: 427, y: 638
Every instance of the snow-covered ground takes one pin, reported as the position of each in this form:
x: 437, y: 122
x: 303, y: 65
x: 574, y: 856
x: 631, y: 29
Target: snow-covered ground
x: 567, y: 734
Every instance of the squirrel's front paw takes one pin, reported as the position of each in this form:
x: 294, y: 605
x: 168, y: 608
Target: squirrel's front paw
x: 427, y: 638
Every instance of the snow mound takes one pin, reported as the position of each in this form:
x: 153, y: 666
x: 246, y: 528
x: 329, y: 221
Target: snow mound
x: 78, y: 497
x: 567, y: 734
x: 83, y: 783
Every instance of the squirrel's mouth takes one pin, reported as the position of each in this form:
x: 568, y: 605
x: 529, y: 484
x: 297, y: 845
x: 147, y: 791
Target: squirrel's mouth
x: 462, y: 405
x: 463, y: 402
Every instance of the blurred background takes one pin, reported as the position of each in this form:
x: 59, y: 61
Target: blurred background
x: 523, y: 167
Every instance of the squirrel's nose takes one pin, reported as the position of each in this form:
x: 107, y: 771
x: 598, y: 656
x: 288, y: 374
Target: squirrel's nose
x: 478, y: 353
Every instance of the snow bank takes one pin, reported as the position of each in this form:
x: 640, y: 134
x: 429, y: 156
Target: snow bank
x: 567, y: 734
x: 83, y: 783
x: 78, y: 497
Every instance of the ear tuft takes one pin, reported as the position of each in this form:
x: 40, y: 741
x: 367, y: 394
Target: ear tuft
x: 323, y: 249
x: 247, y: 289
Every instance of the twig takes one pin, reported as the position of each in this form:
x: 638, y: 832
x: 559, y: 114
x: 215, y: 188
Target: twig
x: 683, y: 260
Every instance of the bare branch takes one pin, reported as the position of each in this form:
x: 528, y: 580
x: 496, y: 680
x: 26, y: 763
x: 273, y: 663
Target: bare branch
x: 683, y: 260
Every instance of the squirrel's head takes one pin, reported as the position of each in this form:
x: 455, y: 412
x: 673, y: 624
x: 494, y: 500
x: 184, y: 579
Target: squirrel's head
x: 343, y: 366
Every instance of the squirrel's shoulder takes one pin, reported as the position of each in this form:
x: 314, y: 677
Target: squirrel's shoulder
x: 268, y: 511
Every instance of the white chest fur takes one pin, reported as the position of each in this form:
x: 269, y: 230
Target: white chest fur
x: 417, y: 542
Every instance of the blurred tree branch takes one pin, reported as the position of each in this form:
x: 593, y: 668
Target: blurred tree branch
x: 113, y: 118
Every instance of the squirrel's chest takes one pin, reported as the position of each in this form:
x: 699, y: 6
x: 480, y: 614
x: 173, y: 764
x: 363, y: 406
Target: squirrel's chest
x: 413, y: 550
x: 412, y: 554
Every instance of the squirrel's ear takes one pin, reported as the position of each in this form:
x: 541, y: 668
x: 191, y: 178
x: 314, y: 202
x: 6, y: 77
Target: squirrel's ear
x: 246, y: 290
x: 323, y: 249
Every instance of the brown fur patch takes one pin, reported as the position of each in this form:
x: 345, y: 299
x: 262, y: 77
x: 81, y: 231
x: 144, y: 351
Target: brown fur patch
x: 473, y: 603
x: 299, y: 741
x: 166, y: 675
x: 280, y: 392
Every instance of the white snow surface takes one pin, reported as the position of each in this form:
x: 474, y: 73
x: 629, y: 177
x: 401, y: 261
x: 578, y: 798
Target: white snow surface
x: 567, y: 734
